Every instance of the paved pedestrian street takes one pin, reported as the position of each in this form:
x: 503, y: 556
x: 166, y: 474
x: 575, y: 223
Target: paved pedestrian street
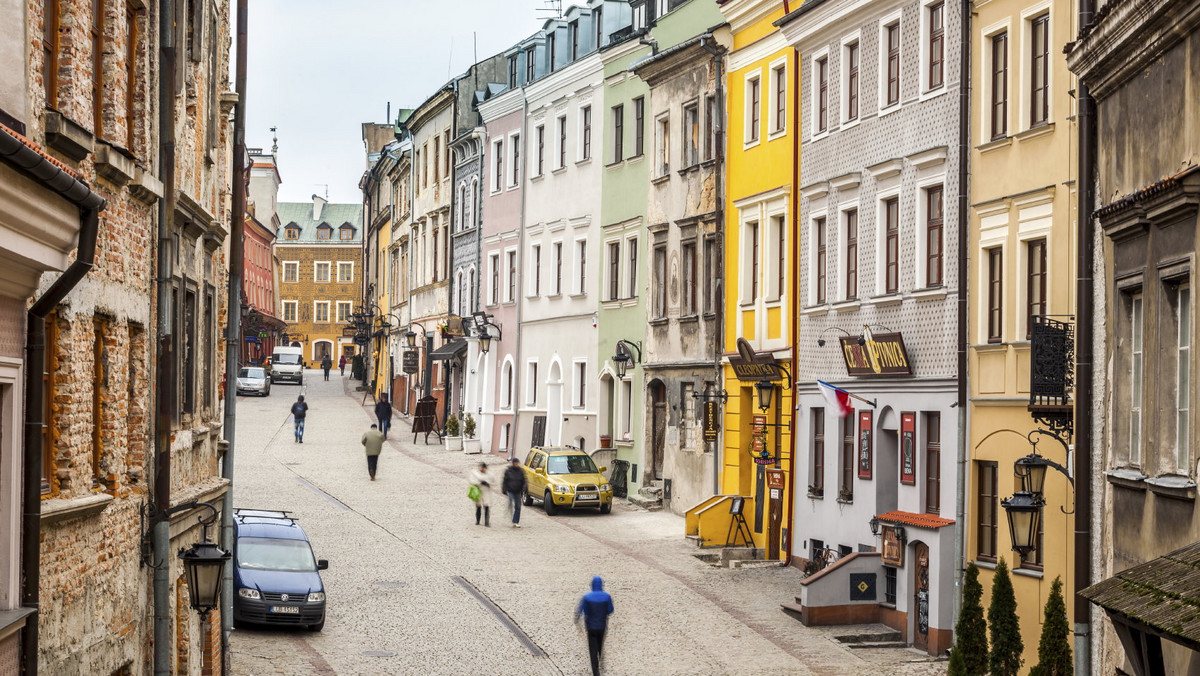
x: 415, y: 587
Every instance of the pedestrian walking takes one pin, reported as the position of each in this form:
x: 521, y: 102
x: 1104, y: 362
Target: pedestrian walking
x: 299, y: 413
x: 383, y: 413
x: 481, y: 486
x: 326, y: 364
x: 594, y: 608
x: 372, y: 441
x: 514, y: 486
x: 342, y: 364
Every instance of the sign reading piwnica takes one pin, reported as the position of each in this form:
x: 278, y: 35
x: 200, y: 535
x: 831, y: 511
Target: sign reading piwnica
x: 880, y: 354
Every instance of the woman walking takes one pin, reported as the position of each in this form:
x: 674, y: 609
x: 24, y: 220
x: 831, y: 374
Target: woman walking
x: 481, y: 485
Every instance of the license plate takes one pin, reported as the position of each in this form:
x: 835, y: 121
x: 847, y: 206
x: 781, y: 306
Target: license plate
x: 585, y: 498
x: 286, y: 610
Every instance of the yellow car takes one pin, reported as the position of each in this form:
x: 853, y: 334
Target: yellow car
x: 565, y: 478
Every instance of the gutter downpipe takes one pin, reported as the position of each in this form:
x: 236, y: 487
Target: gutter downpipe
x: 964, y: 221
x: 90, y: 205
x: 234, y: 328
x: 516, y: 386
x: 1084, y: 347
x: 719, y: 148
x: 165, y: 354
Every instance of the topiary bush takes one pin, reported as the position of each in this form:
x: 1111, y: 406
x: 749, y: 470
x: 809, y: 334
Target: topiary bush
x: 1005, y: 626
x: 1054, y: 648
x: 970, y: 654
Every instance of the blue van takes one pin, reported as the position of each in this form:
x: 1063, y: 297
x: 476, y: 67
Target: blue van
x: 275, y: 574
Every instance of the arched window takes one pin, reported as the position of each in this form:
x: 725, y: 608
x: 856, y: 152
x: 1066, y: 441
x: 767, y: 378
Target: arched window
x: 463, y: 208
x: 506, y: 391
x: 473, y: 299
x: 475, y: 197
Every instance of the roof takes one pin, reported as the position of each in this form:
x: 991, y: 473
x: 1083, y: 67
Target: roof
x: 450, y: 350
x: 1151, y: 190
x: 929, y: 521
x: 333, y: 215
x: 1163, y: 595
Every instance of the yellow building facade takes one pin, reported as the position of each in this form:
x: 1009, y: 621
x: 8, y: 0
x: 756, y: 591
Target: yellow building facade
x: 1022, y: 263
x: 761, y: 81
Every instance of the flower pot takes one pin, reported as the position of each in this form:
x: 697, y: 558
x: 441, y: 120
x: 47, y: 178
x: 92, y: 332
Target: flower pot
x: 454, y: 443
x: 472, y: 446
x: 605, y: 441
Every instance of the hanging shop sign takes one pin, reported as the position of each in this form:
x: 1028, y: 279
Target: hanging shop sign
x: 881, y: 354
x: 712, y: 423
x: 362, y: 339
x: 908, y: 448
x: 408, y: 362
x: 893, y: 546
x: 349, y: 331
x: 752, y: 366
x: 453, y: 327
x: 865, y: 445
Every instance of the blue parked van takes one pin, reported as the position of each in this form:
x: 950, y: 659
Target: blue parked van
x: 274, y: 572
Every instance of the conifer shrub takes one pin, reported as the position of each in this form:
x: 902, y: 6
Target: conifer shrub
x: 1054, y: 648
x: 1004, y: 659
x: 969, y: 657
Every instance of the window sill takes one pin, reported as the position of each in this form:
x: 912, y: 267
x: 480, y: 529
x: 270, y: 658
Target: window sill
x: 57, y: 510
x: 660, y: 321
x: 67, y: 136
x: 586, y: 160
x: 886, y: 300
x: 709, y: 316
x: 614, y: 164
x: 932, y: 293
x: 1126, y: 478
x: 1035, y: 573
x: 846, y: 501
x: 846, y: 305
x: 635, y: 158
x: 816, y: 496
x: 888, y: 109
x: 847, y: 125
x: 1034, y: 132
x: 994, y: 144
x: 933, y: 93
x: 695, y: 166
x: 535, y: 179
x: 558, y: 170
x: 748, y: 144
x: 689, y: 319
x: 815, y: 310
x: 710, y: 162
x: 817, y: 136
x: 660, y: 179
x: 984, y: 564
x: 1173, y: 486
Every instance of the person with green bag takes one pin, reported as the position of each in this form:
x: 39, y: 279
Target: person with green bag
x: 481, y: 485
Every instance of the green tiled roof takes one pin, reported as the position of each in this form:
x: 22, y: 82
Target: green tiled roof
x: 333, y: 215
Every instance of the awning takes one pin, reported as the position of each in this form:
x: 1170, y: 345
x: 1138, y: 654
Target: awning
x: 451, y: 350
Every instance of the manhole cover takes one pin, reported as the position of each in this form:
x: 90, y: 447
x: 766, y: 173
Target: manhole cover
x: 391, y: 585
x: 377, y: 653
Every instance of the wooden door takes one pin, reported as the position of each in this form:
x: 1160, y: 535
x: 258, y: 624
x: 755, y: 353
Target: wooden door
x: 921, y: 596
x: 658, y: 441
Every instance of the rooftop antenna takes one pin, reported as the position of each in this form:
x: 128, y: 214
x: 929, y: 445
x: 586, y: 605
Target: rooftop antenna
x: 274, y: 142
x: 553, y: 9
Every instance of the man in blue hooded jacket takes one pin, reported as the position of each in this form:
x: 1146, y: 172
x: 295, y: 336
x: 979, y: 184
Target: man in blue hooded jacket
x: 595, y: 607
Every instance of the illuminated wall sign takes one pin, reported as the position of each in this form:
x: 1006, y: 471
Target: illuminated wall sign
x: 865, y: 445
x: 881, y: 354
x: 908, y: 448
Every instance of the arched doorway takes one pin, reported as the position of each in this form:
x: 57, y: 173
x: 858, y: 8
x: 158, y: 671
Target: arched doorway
x: 922, y: 596
x: 321, y: 348
x: 658, y: 428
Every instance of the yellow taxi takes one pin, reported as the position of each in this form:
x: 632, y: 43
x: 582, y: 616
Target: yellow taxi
x: 565, y: 478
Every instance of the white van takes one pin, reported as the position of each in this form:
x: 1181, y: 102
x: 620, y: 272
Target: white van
x: 287, y: 363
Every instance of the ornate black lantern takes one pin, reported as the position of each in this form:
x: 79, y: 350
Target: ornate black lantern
x: 411, y: 337
x: 624, y: 356
x: 204, y: 564
x: 1024, y: 510
x: 765, y: 388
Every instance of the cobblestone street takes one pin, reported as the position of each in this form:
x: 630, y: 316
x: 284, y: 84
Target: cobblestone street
x: 415, y: 587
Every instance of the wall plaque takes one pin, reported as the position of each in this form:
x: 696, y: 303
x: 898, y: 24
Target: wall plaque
x: 908, y: 448
x: 862, y: 586
x: 865, y: 445
x: 893, y: 546
x: 712, y: 423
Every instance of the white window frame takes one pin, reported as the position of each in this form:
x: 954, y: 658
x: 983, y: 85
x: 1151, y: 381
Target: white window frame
x: 295, y: 267
x: 844, y: 80
x: 295, y: 307
x: 986, y: 100
x: 561, y: 135
x: 507, y: 384
x: 514, y: 168
x: 579, y: 260
x: 748, y: 217
x: 511, y: 285
x: 922, y: 221
x: 579, y: 391
x: 494, y: 278
x: 993, y: 234
x: 748, y: 140
x: 556, y: 261
x: 497, y: 172
x: 585, y: 131
x: 339, y: 272
x: 813, y: 252
x: 328, y: 272
x: 316, y: 313
x: 777, y: 69
x: 923, y: 75
x: 843, y: 238
x: 1028, y: 14
x: 533, y: 286
x: 815, y: 132
x: 1183, y: 375
x: 337, y: 315
x: 688, y: 138
x: 629, y: 261
x: 625, y: 409
x: 881, y: 200
x: 531, y: 384
x: 536, y: 152
x: 606, y: 280
x: 662, y: 144
x: 881, y: 100
x: 776, y: 212
x: 1032, y: 227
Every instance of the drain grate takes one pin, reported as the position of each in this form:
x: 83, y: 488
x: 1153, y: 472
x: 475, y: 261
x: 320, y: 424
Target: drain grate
x: 377, y: 653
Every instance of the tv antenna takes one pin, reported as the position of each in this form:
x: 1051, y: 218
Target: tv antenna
x: 552, y: 10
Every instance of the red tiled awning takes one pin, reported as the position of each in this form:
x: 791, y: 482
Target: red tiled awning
x: 930, y: 521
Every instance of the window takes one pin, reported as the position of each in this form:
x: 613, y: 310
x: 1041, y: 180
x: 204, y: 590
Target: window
x: 779, y: 96
x: 494, y: 287
x: 1035, y: 282
x: 1137, y: 358
x: 1183, y: 366
x: 712, y: 128
x: 822, y: 95
x: 437, y: 157
x: 535, y: 277
x: 345, y: 233
x: 558, y: 268
x: 292, y: 233
x: 580, y: 384
x: 753, y: 109
x: 506, y: 392
x: 510, y: 259
x: 933, y: 462
x: 851, y: 253
x: 320, y: 272
x: 891, y: 211
x: 688, y: 263
x: 514, y: 172
x: 618, y: 113
x: 498, y: 165
x: 640, y: 18
x: 581, y: 263
x: 999, y: 89
x: 541, y: 149
x: 324, y: 232
x: 598, y: 24
x: 933, y: 236
x: 50, y: 30
x: 562, y: 142
x: 289, y: 310
x: 321, y: 311
x: 851, y: 57
x: 512, y: 71
x: 817, y: 487
x: 449, y: 155
x: 632, y: 247
x: 753, y: 272
x: 1039, y: 63
x: 531, y: 383
x: 291, y: 271
x: 639, y: 126
x: 343, y: 311
x: 777, y: 272
x: 691, y: 134
x: 574, y: 38
x: 530, y: 65
x: 585, y: 115
x: 893, y: 64
x: 889, y: 585
x: 99, y: 396
x: 433, y: 260
x: 995, y: 299
x: 131, y: 42
x: 345, y: 272
x: 937, y: 45
x: 660, y: 281
x: 712, y: 262
x: 821, y: 259
x: 97, y: 37
x: 614, y: 270
x: 846, y: 487
x: 987, y: 496
x: 663, y: 146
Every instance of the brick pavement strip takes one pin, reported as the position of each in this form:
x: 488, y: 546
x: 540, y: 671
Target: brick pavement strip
x: 396, y: 547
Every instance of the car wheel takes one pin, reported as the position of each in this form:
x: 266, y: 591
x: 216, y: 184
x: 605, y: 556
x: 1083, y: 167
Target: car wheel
x: 548, y: 503
x: 528, y: 499
x: 318, y: 626
x: 605, y: 509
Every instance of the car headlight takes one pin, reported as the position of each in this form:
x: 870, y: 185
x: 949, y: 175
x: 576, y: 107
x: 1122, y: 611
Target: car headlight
x: 316, y: 597
x: 562, y: 489
x: 248, y: 593
x: 604, y: 488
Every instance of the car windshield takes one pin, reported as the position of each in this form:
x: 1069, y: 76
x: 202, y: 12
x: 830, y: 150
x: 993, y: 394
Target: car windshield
x: 286, y: 359
x: 571, y: 464
x: 252, y: 373
x: 273, y: 554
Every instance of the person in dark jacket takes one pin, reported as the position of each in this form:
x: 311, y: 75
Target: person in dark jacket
x: 299, y: 413
x: 326, y: 364
x: 342, y: 364
x: 383, y: 413
x: 513, y: 486
x: 595, y: 607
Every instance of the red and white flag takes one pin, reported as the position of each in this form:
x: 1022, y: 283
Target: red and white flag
x: 838, y: 398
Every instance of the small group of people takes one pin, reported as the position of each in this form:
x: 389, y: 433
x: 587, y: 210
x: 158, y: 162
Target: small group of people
x: 327, y: 365
x: 512, y: 484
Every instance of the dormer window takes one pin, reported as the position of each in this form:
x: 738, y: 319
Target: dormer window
x: 550, y: 52
x: 292, y: 231
x: 346, y: 233
x: 639, y: 16
x: 324, y: 231
x: 530, y: 66
x: 574, y: 40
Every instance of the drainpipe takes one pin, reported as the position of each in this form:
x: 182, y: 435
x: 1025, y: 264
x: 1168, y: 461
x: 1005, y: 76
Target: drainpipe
x: 964, y: 206
x: 516, y: 384
x: 90, y: 204
x: 233, y: 328
x: 165, y: 376
x: 718, y: 148
x: 1083, y: 359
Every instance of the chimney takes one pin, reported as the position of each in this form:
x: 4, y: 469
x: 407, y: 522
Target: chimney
x: 318, y: 206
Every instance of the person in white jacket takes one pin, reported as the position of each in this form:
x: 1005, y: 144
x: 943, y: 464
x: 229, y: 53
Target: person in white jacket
x: 483, y: 479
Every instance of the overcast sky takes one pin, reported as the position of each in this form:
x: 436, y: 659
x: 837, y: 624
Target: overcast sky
x: 318, y: 69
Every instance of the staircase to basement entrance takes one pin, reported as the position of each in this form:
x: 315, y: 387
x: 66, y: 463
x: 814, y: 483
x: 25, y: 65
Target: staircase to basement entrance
x: 649, y: 497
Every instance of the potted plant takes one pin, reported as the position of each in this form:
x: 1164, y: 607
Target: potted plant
x: 815, y: 491
x: 454, y: 441
x: 470, y: 443
x: 845, y: 494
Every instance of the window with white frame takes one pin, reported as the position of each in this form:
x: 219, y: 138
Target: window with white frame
x: 581, y: 266
x: 933, y: 47
x: 289, y: 310
x: 345, y: 272
x: 506, y: 386
x: 850, y: 253
x: 321, y: 311
x: 850, y: 81
x: 291, y: 272
x: 631, y: 246
x: 343, y: 311
x: 510, y: 270
x: 494, y: 285
x: 535, y: 271
x: 557, y: 261
x: 753, y: 112
x: 688, y: 282
x: 819, y: 259
x: 778, y: 99
x: 775, y: 249
x: 497, y: 165
x: 712, y: 271
x: 662, y: 145
x: 820, y: 99
x: 614, y: 271
x: 626, y: 418
x: 1182, y: 311
x: 996, y: 85
x: 585, y: 133
x: 1039, y: 70
x: 581, y: 379
x: 931, y: 241
x: 890, y: 58
x: 562, y: 142
x: 1136, y: 374
x: 618, y: 135
x: 750, y: 261
x: 1036, y: 277
x: 321, y: 272
x: 514, y: 162
x: 660, y: 281
x: 890, y: 227
x: 691, y: 133
x: 540, y: 149
x: 531, y: 383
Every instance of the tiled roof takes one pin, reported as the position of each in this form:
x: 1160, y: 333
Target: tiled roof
x: 1149, y: 191
x: 333, y: 215
x: 38, y: 149
x: 917, y: 520
x: 1163, y: 594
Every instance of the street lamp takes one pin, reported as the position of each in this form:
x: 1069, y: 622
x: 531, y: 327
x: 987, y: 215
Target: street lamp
x: 874, y: 523
x: 411, y: 337
x: 821, y: 336
x: 1024, y: 510
x: 765, y: 388
x: 482, y: 322
x: 203, y: 562
x: 623, y: 358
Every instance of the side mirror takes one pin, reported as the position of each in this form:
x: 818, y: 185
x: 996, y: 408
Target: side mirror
x: 603, y: 469
x: 540, y: 471
x: 322, y: 564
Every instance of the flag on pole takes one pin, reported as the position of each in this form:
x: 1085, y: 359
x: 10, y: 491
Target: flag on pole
x: 838, y: 398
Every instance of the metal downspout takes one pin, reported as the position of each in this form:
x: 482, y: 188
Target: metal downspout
x: 234, y: 327
x: 964, y: 206
x: 795, y: 318
x: 165, y: 379
x: 719, y: 149
x: 516, y: 384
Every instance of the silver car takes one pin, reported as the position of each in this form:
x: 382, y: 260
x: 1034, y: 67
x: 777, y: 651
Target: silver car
x: 254, y: 380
